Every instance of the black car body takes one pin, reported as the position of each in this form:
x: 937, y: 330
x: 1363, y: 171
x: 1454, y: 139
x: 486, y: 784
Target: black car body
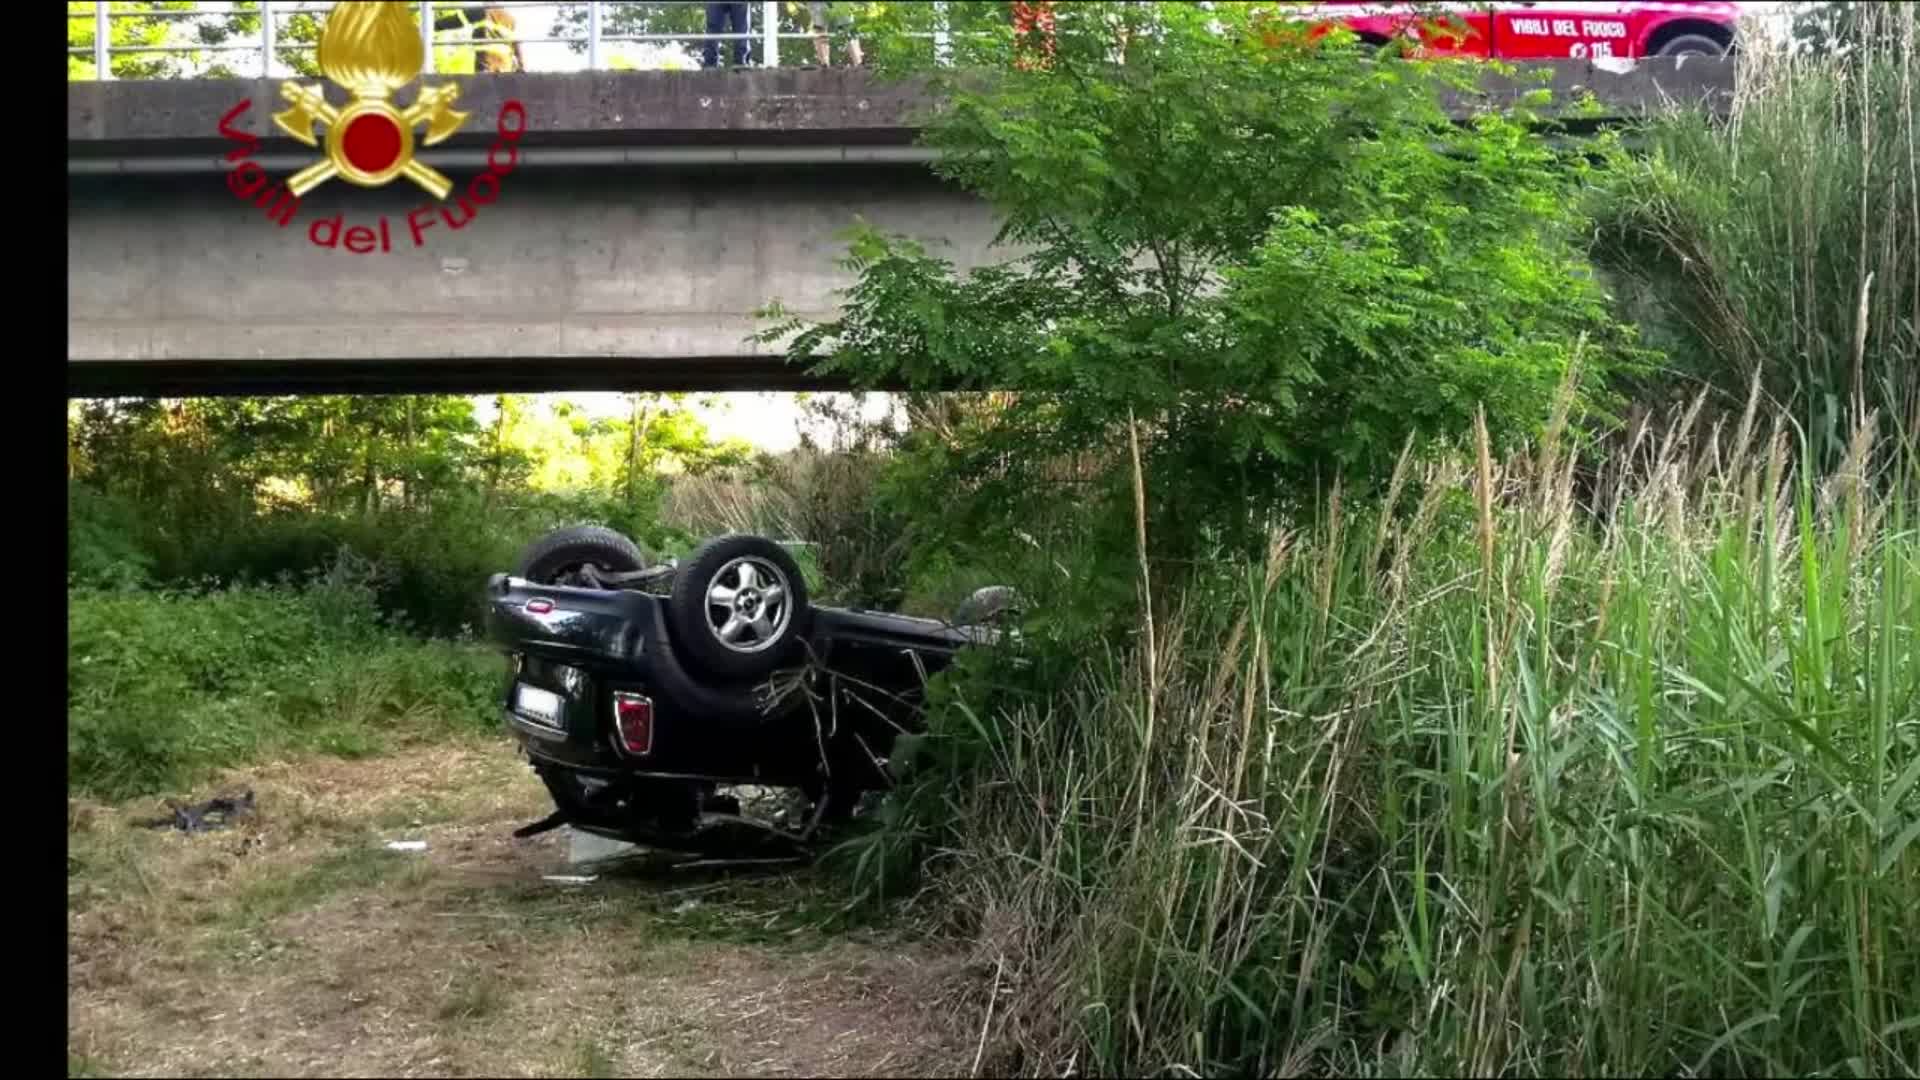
x: 639, y: 737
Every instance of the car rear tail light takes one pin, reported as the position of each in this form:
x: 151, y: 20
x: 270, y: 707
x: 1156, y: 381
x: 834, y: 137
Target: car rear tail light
x: 540, y: 606
x: 633, y: 722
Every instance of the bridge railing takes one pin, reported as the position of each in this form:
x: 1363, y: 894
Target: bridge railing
x: 260, y: 51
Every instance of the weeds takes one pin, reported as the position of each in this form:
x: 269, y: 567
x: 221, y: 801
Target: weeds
x: 827, y: 499
x: 165, y: 686
x: 1786, y: 242
x: 474, y: 997
x: 591, y: 1059
x: 1538, y: 793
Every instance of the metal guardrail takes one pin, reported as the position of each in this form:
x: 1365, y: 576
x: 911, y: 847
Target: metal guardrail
x: 763, y: 25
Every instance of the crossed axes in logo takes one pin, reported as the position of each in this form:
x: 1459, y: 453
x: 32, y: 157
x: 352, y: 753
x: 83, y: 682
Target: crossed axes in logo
x: 369, y: 141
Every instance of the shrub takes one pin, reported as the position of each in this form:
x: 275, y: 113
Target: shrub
x: 165, y: 686
x: 1269, y: 287
x: 426, y: 567
x: 102, y: 551
x: 1785, y: 242
x: 1508, y: 792
x: 829, y: 501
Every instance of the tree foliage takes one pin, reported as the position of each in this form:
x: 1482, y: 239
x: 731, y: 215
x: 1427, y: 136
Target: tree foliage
x: 686, y: 24
x: 177, y: 39
x: 1281, y: 258
x: 188, y: 42
x: 895, y: 34
x: 437, y: 491
x: 1840, y: 26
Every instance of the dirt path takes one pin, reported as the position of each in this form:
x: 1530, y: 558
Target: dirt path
x: 298, y: 945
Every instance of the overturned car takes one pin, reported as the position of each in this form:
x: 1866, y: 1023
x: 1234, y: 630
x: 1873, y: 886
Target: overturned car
x: 707, y: 706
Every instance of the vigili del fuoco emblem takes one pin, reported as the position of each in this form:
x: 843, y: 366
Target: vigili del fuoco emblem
x: 370, y: 50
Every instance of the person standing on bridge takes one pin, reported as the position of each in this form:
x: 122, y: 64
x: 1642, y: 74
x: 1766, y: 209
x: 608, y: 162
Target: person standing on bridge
x: 719, y: 17
x: 826, y: 18
x: 498, y: 48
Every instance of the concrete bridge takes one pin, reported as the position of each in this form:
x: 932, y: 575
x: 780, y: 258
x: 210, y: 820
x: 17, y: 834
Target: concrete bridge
x: 629, y: 234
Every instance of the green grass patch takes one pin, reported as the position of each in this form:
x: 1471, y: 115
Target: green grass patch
x: 165, y: 687
x: 590, y: 1059
x: 473, y: 998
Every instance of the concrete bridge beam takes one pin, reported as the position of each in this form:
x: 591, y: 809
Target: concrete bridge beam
x: 648, y: 216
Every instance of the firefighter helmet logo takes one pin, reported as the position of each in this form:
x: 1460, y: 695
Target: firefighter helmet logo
x: 370, y: 50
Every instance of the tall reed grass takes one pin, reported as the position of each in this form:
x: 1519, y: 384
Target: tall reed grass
x: 1786, y: 240
x: 825, y: 498
x: 1487, y: 783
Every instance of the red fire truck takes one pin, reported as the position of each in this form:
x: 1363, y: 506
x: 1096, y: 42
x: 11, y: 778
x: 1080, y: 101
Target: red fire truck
x: 1546, y: 30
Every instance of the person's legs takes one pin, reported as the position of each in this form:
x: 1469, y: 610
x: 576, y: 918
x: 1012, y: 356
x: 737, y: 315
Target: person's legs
x: 854, y: 57
x: 501, y: 51
x: 817, y: 12
x: 741, y: 46
x: 716, y: 18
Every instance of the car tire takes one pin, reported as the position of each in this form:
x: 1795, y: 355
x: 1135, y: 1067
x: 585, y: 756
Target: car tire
x: 1691, y: 45
x: 556, y: 557
x: 739, y: 607
x: 991, y: 605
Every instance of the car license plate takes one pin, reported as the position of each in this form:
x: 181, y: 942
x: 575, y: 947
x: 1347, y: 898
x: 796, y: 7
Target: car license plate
x: 537, y: 705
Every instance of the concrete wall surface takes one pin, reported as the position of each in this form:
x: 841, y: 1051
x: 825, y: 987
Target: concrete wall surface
x: 640, y: 265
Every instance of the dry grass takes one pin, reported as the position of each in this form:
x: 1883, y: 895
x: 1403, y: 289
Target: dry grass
x: 1552, y: 792
x: 1786, y: 242
x: 298, y: 945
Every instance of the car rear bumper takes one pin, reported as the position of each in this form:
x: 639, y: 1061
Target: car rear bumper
x: 551, y: 749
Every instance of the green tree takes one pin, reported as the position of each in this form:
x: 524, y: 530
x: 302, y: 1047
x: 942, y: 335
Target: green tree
x: 907, y: 24
x: 188, y: 37
x: 688, y: 20
x: 206, y: 457
x: 129, y: 25
x: 1282, y: 259
x: 1842, y: 25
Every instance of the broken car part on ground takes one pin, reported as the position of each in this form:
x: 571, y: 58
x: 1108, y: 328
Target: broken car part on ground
x: 215, y: 813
